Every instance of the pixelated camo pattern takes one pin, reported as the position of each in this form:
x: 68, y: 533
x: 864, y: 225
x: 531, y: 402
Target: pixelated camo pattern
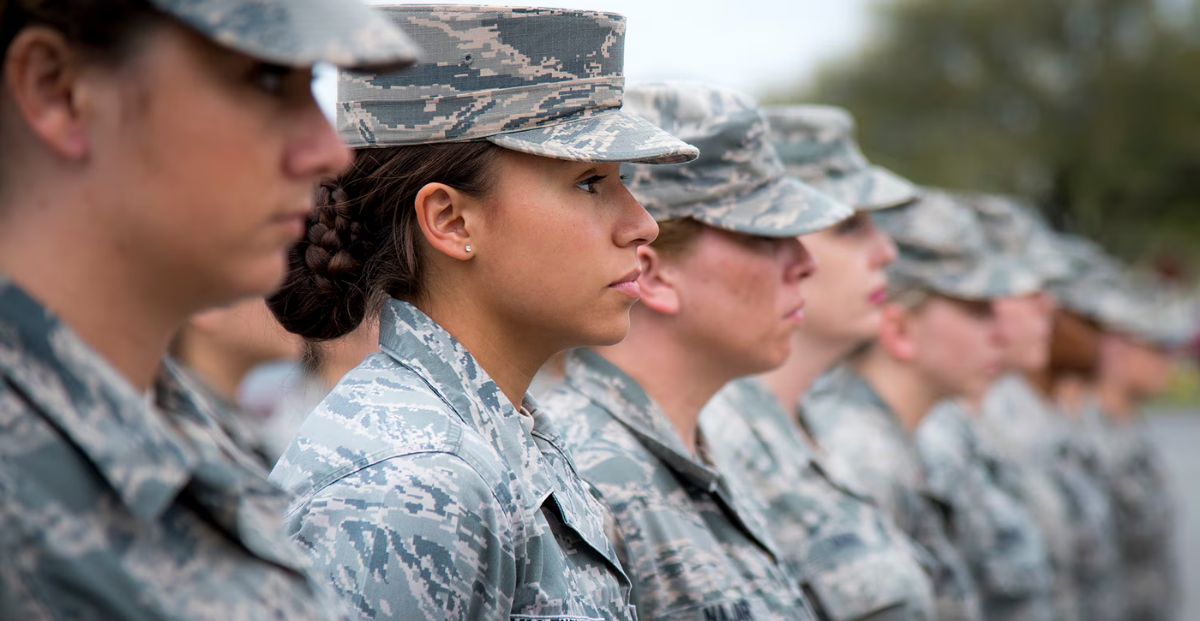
x: 1030, y: 431
x: 113, y: 509
x: 855, y: 562
x: 817, y: 146
x: 422, y: 493
x: 1019, y: 231
x: 871, y: 451
x: 694, y: 544
x: 738, y: 183
x: 1144, y: 511
x: 299, y: 33
x: 993, y: 529
x: 542, y: 81
x: 943, y: 249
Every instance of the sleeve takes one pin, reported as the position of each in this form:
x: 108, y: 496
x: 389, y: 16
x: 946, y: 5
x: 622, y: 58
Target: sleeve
x: 413, y: 537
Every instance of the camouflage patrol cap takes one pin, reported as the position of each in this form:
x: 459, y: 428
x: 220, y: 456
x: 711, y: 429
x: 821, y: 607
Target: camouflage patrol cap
x: 543, y: 81
x: 298, y: 33
x: 943, y: 249
x: 816, y: 144
x: 1018, y: 231
x: 738, y: 184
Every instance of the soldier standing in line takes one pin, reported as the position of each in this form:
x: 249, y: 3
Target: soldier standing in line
x: 159, y: 158
x: 720, y: 297
x: 485, y: 220
x: 994, y: 528
x: 938, y: 340
x: 855, y: 563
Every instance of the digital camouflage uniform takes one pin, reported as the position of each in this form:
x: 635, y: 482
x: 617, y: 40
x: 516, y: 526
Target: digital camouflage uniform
x: 121, y: 505
x: 695, y: 546
x: 1077, y: 516
x: 421, y: 491
x: 994, y: 528
x: 691, y: 537
x: 1118, y: 455
x: 869, y: 450
x: 853, y: 561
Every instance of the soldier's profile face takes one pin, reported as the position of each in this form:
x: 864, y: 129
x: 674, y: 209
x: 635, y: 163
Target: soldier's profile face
x: 846, y: 293
x: 203, y: 161
x: 957, y: 346
x: 1025, y: 324
x: 555, y: 243
x: 740, y: 296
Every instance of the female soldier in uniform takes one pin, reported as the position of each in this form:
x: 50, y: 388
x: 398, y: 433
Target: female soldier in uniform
x: 485, y: 217
x: 159, y: 158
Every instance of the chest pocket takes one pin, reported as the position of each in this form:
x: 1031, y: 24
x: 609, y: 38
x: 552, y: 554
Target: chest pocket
x: 848, y: 580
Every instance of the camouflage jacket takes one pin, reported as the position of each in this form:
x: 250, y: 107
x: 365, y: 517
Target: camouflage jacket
x: 694, y: 546
x: 993, y: 529
x: 1018, y: 422
x: 121, y: 505
x: 1144, y: 513
x: 422, y: 493
x: 854, y: 562
x: 872, y: 452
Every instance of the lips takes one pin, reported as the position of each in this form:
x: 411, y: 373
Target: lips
x: 796, y: 315
x: 628, y: 284
x: 879, y: 296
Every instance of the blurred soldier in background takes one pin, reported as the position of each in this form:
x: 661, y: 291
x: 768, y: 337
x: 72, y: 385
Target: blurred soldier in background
x: 219, y: 347
x: 937, y: 341
x: 993, y: 527
x: 855, y: 563
x: 159, y: 157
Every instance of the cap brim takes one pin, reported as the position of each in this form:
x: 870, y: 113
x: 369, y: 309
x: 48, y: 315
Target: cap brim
x: 301, y: 33
x: 784, y: 207
x: 871, y: 189
x: 997, y: 277
x: 608, y: 136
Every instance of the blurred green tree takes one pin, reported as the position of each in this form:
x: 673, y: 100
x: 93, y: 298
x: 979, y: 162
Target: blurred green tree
x: 1091, y: 108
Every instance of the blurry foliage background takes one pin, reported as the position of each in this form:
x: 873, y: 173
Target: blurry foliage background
x: 1091, y: 108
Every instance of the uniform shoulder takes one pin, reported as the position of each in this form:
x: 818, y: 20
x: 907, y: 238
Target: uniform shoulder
x: 380, y: 412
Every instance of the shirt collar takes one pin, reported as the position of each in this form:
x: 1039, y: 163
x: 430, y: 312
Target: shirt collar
x: 131, y: 444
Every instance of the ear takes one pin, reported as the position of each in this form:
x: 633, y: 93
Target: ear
x: 658, y: 282
x: 42, y: 75
x: 442, y: 214
x: 895, y: 333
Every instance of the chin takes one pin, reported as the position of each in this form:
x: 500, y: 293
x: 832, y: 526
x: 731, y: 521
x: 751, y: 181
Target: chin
x: 605, y: 333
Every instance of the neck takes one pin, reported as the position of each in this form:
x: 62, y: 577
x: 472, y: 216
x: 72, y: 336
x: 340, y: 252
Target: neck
x: 219, y: 371
x: 900, y: 385
x: 339, y: 357
x: 511, y: 357
x: 92, y: 285
x: 679, y: 379
x: 811, y: 357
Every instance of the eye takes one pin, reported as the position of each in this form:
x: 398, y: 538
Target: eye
x: 589, y: 185
x: 270, y: 78
x: 850, y: 225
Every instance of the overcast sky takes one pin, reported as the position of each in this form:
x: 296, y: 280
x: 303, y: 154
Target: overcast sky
x: 750, y: 45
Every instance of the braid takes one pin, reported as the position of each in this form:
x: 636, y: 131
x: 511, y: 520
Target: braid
x: 363, y: 243
x: 324, y: 296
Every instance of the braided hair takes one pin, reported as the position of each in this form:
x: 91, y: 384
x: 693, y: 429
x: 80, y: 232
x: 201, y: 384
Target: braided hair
x: 362, y: 243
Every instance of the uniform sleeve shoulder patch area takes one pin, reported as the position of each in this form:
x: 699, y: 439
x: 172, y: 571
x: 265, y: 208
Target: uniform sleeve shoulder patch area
x: 373, y: 417
x: 417, y: 536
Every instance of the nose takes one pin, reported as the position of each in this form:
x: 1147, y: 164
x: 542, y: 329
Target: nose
x: 884, y: 248
x: 315, y: 150
x: 801, y: 263
x: 636, y: 227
